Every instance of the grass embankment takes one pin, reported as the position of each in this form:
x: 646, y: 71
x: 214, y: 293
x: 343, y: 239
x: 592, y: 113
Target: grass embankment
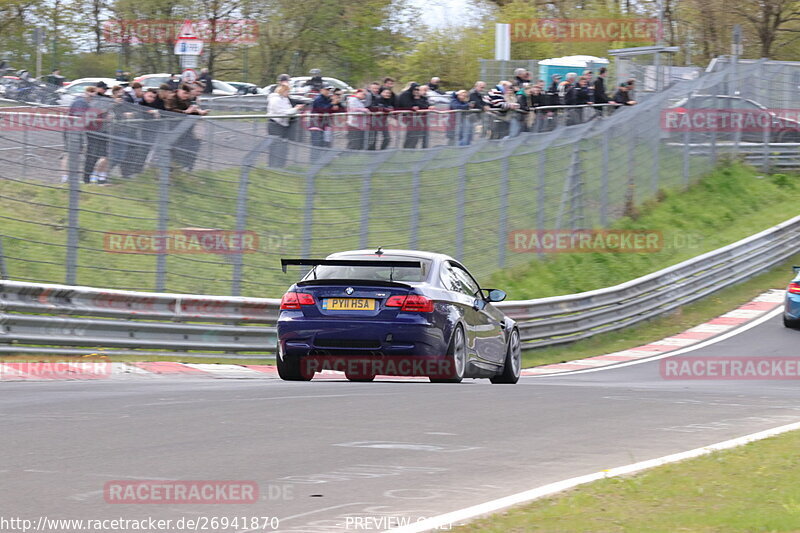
x: 726, y: 206
x: 749, y: 488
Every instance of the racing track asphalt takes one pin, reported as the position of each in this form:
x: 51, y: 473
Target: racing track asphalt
x: 424, y: 449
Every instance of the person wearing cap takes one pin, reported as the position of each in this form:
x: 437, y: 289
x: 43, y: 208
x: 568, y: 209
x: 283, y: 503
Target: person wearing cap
x: 315, y: 83
x: 622, y: 96
x: 121, y: 76
x: 101, y: 87
x: 319, y: 123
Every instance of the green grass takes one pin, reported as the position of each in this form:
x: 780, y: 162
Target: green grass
x: 745, y: 489
x: 728, y: 205
x: 34, y: 217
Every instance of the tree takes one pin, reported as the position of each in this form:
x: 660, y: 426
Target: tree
x: 768, y: 18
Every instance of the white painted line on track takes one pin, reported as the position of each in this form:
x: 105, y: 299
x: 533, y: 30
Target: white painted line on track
x: 447, y: 519
x: 749, y: 325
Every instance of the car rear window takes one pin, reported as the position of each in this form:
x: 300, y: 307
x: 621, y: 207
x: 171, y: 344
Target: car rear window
x: 376, y: 273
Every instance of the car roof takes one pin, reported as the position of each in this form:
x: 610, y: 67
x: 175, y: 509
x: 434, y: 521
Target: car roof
x: 94, y: 80
x: 412, y: 253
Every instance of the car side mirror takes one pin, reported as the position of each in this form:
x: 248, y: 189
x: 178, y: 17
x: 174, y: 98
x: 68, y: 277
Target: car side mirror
x: 495, y: 295
x: 796, y: 269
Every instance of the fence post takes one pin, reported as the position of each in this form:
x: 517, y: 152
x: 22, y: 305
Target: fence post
x: 576, y: 189
x: 656, y: 178
x: 503, y: 224
x: 366, y: 200
x: 25, y: 141
x: 308, y: 214
x: 685, y: 153
x: 604, y: 182
x: 461, y: 200
x: 414, y: 228
x: 3, y: 271
x: 163, y: 158
x: 241, y: 211
x: 74, y: 142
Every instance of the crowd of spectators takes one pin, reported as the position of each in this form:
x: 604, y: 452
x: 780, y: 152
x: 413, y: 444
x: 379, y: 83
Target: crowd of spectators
x: 375, y: 112
x: 107, y: 137
x: 370, y: 115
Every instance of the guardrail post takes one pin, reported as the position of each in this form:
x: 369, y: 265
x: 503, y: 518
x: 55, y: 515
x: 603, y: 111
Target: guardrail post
x: 502, y: 226
x: 74, y: 141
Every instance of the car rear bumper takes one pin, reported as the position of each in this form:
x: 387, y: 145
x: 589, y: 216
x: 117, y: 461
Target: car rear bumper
x: 791, y: 306
x: 300, y: 336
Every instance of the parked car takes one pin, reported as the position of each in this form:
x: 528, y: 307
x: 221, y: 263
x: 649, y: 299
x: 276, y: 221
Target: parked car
x: 780, y: 129
x: 246, y: 88
x: 385, y: 308
x: 75, y: 88
x: 154, y: 81
x: 298, y: 87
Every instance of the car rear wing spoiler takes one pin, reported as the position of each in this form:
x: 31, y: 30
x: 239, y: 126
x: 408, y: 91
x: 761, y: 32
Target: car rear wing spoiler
x: 351, y: 262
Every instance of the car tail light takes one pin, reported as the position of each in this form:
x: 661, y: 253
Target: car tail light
x: 293, y: 300
x: 413, y: 303
x: 794, y: 288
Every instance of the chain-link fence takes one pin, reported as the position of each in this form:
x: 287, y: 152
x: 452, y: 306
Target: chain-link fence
x: 209, y: 204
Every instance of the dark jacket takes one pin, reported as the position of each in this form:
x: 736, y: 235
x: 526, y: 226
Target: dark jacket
x: 477, y: 100
x: 407, y: 100
x: 622, y: 97
x: 206, y: 80
x: 600, y: 96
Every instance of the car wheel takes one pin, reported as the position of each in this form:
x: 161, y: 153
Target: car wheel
x: 513, y: 363
x: 289, y: 369
x: 792, y: 323
x: 456, y: 358
x: 787, y: 137
x: 359, y: 378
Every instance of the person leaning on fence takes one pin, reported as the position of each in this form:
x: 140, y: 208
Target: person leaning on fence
x: 413, y: 107
x: 280, y: 106
x: 207, y: 81
x: 95, y: 165
x: 320, y: 122
x: 460, y: 125
x: 383, y: 117
x: 120, y: 132
x: 388, y: 83
x: 530, y: 97
x: 357, y: 120
x: 186, y: 147
x: 373, y: 95
x: 622, y: 96
x: 600, y: 95
x: 504, y: 106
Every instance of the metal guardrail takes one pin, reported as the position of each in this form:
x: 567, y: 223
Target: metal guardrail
x: 69, y: 320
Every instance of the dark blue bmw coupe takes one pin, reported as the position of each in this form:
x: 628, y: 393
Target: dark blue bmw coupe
x: 394, y: 312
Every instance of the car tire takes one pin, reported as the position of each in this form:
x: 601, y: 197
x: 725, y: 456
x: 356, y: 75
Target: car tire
x: 513, y: 363
x: 791, y: 323
x: 289, y: 369
x: 456, y: 358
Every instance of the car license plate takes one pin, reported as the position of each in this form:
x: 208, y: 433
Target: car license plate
x: 348, y: 304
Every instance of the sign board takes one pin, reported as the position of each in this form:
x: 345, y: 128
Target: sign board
x: 189, y: 75
x: 188, y: 47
